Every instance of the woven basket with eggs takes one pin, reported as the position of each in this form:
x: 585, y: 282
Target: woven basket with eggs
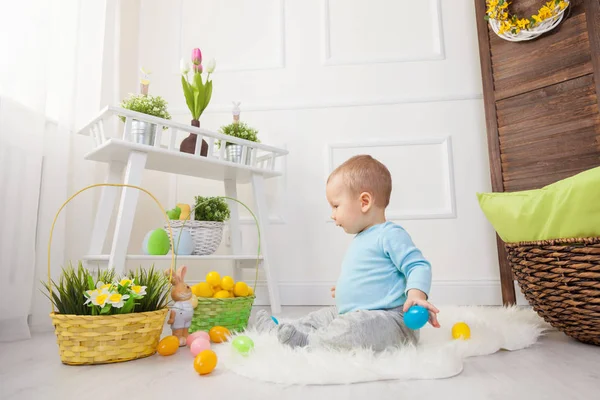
x: 222, y: 302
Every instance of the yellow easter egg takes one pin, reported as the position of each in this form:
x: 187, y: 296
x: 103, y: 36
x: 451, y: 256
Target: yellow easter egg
x: 222, y: 294
x: 213, y: 278
x: 202, y: 289
x: 185, y: 211
x: 460, y: 330
x: 194, y: 301
x: 241, y: 289
x: 217, y: 289
x: 250, y: 291
x: 227, y: 283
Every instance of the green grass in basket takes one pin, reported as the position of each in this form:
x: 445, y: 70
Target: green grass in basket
x: 158, y: 297
x: 68, y: 297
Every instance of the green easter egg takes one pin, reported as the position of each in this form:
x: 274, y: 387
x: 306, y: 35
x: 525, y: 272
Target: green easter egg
x: 243, y: 344
x: 158, y: 243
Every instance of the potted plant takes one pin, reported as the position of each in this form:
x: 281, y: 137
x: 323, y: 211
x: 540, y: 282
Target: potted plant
x: 210, y: 214
x: 197, y: 96
x: 89, y: 308
x: 240, y: 130
x: 145, y: 132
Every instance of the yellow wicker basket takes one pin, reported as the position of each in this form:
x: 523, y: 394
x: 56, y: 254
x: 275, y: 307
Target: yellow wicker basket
x: 103, y: 339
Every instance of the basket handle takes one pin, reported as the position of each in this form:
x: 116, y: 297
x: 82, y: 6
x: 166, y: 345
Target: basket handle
x: 193, y: 209
x: 113, y: 185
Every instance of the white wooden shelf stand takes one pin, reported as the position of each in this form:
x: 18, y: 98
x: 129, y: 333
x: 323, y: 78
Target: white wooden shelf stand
x: 127, y: 161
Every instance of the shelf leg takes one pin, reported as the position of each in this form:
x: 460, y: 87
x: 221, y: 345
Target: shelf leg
x: 258, y: 186
x: 127, y: 206
x: 108, y: 197
x: 234, y: 226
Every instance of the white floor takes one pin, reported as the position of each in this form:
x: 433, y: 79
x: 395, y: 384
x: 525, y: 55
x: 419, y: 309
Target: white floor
x: 556, y: 368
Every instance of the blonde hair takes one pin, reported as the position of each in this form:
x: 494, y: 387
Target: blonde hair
x: 363, y: 173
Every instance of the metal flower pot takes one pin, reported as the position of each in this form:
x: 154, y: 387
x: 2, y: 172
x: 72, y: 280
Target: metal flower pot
x: 233, y: 153
x: 143, y: 132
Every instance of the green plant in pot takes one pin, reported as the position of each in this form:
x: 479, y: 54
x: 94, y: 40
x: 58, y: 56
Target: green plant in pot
x: 145, y: 132
x: 213, y: 209
x: 240, y: 130
x: 210, y: 214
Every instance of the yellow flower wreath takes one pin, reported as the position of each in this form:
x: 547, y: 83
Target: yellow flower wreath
x: 498, y: 10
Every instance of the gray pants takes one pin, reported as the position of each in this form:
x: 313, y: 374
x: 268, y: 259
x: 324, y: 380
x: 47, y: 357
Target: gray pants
x: 374, y: 329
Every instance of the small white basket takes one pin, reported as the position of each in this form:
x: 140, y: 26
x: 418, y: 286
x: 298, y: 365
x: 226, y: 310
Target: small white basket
x: 207, y: 235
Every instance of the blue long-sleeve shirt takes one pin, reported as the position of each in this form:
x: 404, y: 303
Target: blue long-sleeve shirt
x: 379, y: 268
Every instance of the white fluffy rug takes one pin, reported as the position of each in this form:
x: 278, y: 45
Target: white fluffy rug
x: 437, y: 355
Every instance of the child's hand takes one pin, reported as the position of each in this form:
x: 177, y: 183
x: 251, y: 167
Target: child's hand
x: 333, y: 292
x: 416, y: 297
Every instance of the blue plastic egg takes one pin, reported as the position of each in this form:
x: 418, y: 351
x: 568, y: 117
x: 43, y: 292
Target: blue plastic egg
x: 416, y: 317
x: 183, y: 242
x: 145, y: 243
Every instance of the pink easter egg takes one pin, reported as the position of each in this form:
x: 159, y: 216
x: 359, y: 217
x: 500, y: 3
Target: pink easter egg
x: 199, y: 345
x: 193, y: 336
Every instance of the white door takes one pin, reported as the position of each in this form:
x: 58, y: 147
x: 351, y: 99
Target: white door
x: 328, y: 79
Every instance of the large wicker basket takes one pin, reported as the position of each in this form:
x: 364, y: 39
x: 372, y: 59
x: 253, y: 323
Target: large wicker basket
x: 207, y: 235
x: 232, y: 313
x: 561, y: 280
x: 103, y: 339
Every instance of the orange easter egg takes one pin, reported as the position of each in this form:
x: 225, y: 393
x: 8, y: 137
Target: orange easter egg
x: 218, y: 334
x: 168, y: 346
x: 205, y: 362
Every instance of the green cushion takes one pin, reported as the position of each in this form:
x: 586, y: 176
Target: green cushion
x: 566, y: 209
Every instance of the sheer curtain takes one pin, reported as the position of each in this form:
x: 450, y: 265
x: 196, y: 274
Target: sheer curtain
x: 48, y: 49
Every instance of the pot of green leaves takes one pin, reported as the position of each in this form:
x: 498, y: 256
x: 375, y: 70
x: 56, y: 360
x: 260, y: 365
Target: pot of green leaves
x: 144, y: 132
x: 233, y: 151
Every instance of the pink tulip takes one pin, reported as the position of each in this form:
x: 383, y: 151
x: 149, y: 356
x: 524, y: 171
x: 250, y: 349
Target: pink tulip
x: 196, y: 56
x: 198, y: 68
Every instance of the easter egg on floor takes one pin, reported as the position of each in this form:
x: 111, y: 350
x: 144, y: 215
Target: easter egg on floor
x: 183, y: 242
x: 156, y: 243
x: 168, y: 346
x: 416, y: 317
x: 460, y: 330
x: 199, y: 345
x: 198, y: 334
x: 205, y: 362
x: 243, y: 344
x: 219, y: 334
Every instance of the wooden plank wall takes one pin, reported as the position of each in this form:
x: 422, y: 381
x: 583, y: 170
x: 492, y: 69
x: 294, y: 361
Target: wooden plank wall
x: 541, y: 104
